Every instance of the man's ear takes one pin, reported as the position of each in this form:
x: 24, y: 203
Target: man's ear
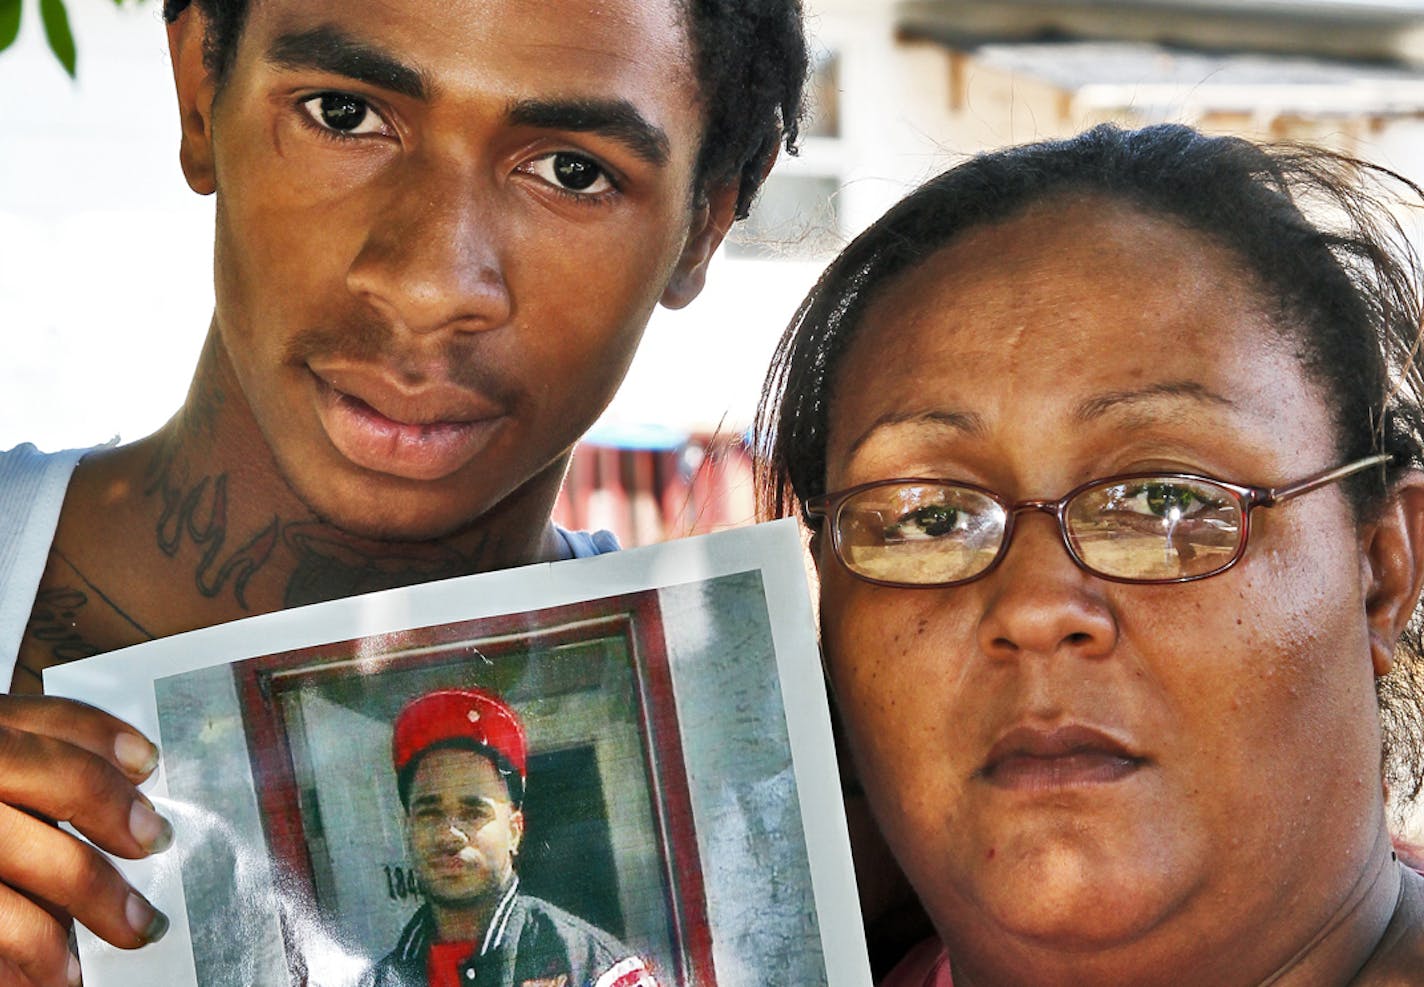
x: 196, y: 88
x: 711, y: 220
x: 516, y: 830
x: 1394, y: 554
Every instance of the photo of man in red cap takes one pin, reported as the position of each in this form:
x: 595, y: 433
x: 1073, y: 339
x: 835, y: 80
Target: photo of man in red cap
x: 461, y: 760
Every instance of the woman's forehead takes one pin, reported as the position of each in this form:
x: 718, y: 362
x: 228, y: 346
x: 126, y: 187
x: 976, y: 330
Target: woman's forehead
x: 1077, y: 251
x: 1061, y: 310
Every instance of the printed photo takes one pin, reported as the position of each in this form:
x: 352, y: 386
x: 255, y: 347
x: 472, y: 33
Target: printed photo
x: 585, y: 792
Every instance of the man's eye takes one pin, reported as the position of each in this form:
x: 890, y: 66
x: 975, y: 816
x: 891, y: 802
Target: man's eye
x: 344, y: 114
x: 571, y: 172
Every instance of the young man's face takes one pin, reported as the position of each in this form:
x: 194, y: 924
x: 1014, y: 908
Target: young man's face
x: 464, y: 833
x: 440, y: 233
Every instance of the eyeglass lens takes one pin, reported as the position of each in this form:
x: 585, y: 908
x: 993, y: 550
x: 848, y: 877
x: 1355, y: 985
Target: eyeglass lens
x: 920, y: 533
x: 1144, y: 528
x: 1155, y: 529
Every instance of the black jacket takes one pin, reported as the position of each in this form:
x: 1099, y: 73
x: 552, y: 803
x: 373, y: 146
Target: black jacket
x: 529, y: 941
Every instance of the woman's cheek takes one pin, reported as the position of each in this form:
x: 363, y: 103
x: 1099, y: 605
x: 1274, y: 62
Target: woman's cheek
x: 900, y: 665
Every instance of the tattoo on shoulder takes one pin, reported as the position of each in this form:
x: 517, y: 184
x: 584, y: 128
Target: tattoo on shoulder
x: 54, y: 624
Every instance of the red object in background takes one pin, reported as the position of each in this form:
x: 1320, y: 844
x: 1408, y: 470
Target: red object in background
x: 646, y: 496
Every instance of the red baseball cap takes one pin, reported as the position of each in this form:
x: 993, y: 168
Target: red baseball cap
x: 453, y: 717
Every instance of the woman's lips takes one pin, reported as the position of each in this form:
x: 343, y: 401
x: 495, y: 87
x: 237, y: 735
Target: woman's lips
x: 426, y: 435
x: 1030, y: 759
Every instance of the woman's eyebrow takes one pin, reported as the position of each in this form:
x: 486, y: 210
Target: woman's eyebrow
x: 1170, y: 390
x: 616, y: 119
x: 958, y: 421
x: 329, y: 49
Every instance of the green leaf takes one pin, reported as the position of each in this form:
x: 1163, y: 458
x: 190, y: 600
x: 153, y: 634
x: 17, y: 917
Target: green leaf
x: 9, y: 22
x: 61, y: 39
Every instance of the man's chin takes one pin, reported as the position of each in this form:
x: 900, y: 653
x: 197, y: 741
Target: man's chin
x: 388, y: 528
x: 390, y: 510
x: 384, y: 508
x: 456, y: 898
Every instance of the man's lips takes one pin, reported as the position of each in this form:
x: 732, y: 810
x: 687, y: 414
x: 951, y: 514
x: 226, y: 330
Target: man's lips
x: 424, y: 432
x: 431, y: 401
x: 448, y: 863
x: 1038, y: 759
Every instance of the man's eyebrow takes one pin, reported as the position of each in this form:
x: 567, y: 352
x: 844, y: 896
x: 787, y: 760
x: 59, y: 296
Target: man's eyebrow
x: 616, y: 119
x: 329, y: 49
x: 958, y: 421
x: 1101, y: 404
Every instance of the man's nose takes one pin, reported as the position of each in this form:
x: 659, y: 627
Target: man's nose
x: 452, y: 835
x: 432, y: 259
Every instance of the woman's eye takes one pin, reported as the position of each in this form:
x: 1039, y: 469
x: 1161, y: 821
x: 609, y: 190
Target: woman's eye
x: 571, y: 172
x: 1164, y: 499
x: 932, y: 521
x: 343, y: 114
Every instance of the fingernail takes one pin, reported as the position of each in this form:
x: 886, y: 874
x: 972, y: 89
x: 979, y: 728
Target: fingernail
x: 76, y: 979
x: 153, y: 832
x: 143, y: 918
x: 136, y: 754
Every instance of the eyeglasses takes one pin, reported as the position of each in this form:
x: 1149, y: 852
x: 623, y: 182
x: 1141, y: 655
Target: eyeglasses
x: 1135, y: 528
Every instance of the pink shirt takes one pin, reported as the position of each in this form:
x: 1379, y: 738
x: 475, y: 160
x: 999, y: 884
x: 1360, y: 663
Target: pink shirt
x: 927, y: 965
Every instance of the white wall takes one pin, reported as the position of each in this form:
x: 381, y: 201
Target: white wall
x: 105, y: 256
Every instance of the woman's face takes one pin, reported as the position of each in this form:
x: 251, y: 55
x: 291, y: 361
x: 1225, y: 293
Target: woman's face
x: 1067, y: 762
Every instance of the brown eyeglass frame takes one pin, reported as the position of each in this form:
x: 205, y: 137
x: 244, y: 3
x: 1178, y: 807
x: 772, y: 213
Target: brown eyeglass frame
x: 830, y: 505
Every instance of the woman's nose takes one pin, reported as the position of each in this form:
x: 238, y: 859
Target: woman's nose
x: 1039, y: 602
x: 433, y: 255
